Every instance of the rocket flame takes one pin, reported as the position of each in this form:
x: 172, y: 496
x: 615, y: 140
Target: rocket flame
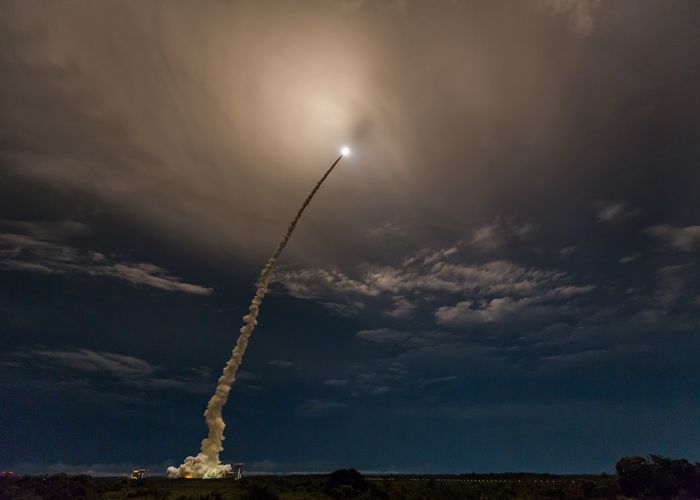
x: 206, y: 464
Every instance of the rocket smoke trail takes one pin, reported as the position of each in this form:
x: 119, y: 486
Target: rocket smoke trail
x: 206, y: 463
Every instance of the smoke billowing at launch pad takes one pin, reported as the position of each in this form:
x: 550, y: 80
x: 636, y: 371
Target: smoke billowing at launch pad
x: 206, y: 464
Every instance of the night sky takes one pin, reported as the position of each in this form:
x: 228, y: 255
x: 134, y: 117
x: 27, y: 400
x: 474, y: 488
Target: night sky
x: 503, y: 276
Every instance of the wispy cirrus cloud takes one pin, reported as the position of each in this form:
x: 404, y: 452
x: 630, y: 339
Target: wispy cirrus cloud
x: 384, y: 336
x: 281, y: 363
x: 39, y: 249
x: 407, y: 339
x: 684, y: 239
x: 611, y: 212
x: 336, y: 382
x: 81, y: 367
x: 500, y: 232
x: 93, y: 361
x: 47, y: 230
x: 580, y: 12
x: 314, y: 408
x: 627, y: 259
x: 672, y: 281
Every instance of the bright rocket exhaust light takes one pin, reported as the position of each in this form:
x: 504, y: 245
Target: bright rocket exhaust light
x: 345, y: 151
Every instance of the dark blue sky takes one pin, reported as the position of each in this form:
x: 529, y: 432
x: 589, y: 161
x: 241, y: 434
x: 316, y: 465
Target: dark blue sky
x: 502, y: 277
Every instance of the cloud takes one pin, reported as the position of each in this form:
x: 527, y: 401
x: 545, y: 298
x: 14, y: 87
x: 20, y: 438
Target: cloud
x: 320, y: 408
x: 421, y: 383
x: 499, y: 233
x: 149, y: 275
x: 610, y: 212
x: 370, y: 378
x: 336, y: 382
x: 428, y: 277
x: 539, y: 305
x: 499, y: 276
x: 402, y: 307
x: 126, y: 370
x: 672, y: 281
x: 188, y: 384
x: 579, y: 11
x: 281, y: 363
x: 48, y: 230
x: 40, y: 252
x: 584, y: 357
x: 83, y: 389
x: 386, y: 231
x: 408, y: 340
x: 92, y: 361
x: 496, y: 310
x: 313, y: 283
x: 684, y: 239
x: 564, y: 292
x: 351, y: 5
x: 384, y: 336
x: 568, y: 251
x: 629, y: 258
x: 438, y: 255
x: 330, y: 288
x: 155, y: 155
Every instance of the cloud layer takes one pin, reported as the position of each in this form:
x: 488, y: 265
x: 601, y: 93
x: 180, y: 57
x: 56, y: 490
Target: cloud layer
x: 40, y: 250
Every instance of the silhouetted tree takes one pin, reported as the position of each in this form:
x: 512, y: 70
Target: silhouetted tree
x: 634, y: 475
x: 658, y: 477
x: 346, y: 483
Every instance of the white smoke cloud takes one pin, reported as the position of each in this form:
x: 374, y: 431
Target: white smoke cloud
x: 206, y: 464
x: 199, y: 466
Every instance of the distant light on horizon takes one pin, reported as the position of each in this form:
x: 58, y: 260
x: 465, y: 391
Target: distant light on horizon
x: 345, y: 151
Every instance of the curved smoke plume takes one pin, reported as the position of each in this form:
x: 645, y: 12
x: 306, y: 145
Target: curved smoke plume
x: 206, y: 464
